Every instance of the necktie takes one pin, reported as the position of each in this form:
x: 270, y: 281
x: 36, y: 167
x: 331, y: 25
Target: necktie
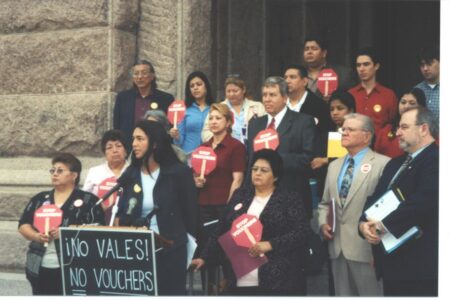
x: 400, y: 170
x: 346, y: 181
x: 272, y: 124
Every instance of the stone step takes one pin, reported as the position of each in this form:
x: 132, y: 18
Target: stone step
x: 12, y: 248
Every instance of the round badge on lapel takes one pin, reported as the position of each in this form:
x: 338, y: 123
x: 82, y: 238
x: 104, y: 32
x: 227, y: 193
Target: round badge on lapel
x: 154, y: 105
x: 137, y: 188
x: 365, y: 168
x: 78, y: 203
x: 238, y: 206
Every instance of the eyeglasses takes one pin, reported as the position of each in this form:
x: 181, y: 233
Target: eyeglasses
x: 142, y: 74
x: 57, y: 171
x: 262, y: 169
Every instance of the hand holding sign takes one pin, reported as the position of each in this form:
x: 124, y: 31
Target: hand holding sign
x: 204, y: 160
x: 327, y: 82
x: 246, y: 230
x: 176, y: 112
x: 266, y: 139
x: 47, y: 217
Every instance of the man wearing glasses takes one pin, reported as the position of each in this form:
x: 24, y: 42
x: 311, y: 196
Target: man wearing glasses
x: 412, y: 268
x: 131, y: 105
x: 350, y: 179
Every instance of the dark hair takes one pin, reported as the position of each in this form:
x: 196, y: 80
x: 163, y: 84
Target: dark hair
x: 370, y: 52
x: 187, y: 91
x: 301, y: 70
x: 345, y: 97
x: 320, y: 41
x: 73, y: 163
x: 159, y: 145
x: 428, y: 53
x: 152, y: 70
x: 274, y: 159
x: 419, y: 95
x: 112, y: 135
x: 425, y: 116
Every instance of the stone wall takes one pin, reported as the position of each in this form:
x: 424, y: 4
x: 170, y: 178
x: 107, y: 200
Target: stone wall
x: 62, y: 62
x: 176, y: 37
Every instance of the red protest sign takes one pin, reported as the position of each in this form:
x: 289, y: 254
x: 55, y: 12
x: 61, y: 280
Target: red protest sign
x: 176, y: 112
x: 47, y: 217
x: 266, y: 139
x: 104, y: 187
x: 327, y: 81
x: 246, y: 230
x: 204, y: 160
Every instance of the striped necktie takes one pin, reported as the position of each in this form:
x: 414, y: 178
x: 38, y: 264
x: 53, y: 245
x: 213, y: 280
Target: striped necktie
x: 347, y: 181
x: 401, y: 169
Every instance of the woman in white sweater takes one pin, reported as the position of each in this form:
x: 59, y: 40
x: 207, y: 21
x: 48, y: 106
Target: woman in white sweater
x: 243, y: 109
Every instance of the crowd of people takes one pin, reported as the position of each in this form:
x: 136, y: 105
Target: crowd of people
x: 390, y: 145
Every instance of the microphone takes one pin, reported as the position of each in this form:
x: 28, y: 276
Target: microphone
x: 124, y: 179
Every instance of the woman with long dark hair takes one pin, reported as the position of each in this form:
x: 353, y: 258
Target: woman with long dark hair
x: 198, y: 93
x: 160, y: 185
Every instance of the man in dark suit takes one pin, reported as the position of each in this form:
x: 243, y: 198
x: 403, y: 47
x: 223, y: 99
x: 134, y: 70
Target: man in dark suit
x: 411, y: 269
x: 131, y: 105
x: 296, y: 136
x: 301, y: 99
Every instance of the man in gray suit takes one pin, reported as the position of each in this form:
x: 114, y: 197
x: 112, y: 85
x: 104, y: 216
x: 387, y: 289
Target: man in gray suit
x: 349, y: 181
x: 296, y: 133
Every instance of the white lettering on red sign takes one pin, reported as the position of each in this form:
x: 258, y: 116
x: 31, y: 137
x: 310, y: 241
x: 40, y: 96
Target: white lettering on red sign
x: 203, y: 157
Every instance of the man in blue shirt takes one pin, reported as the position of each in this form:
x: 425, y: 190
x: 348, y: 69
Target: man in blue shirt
x: 349, y: 181
x: 429, y: 67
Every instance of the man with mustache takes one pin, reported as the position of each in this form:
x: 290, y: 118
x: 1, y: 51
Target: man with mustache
x: 412, y: 268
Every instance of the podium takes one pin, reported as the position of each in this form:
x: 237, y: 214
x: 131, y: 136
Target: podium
x: 101, y: 261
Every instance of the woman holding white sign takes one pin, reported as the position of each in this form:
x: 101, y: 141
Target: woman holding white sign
x: 77, y: 207
x: 160, y: 194
x: 284, y: 233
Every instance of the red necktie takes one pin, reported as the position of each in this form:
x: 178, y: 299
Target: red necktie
x: 272, y: 124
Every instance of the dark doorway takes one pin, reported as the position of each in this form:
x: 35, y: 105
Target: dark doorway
x: 258, y: 38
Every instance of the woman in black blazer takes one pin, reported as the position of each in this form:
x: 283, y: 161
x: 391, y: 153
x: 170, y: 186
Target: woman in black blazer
x: 285, y: 228
x: 160, y: 193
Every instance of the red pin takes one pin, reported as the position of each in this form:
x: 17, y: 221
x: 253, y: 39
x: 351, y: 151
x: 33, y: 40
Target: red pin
x: 176, y: 112
x: 204, y: 160
x: 266, y: 139
x: 246, y: 230
x: 104, y: 187
x: 327, y: 81
x: 46, y: 218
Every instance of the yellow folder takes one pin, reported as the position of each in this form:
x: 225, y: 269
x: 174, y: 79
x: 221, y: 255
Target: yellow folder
x: 334, y: 145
